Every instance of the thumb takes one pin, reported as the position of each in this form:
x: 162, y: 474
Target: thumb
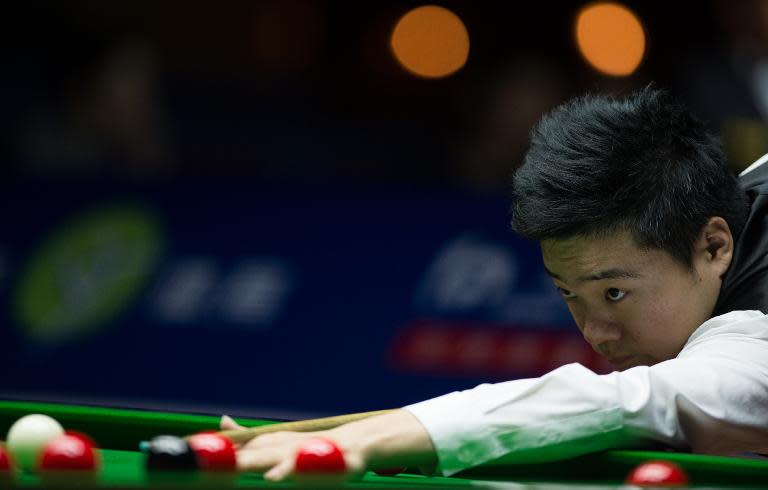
x: 228, y: 423
x: 279, y: 472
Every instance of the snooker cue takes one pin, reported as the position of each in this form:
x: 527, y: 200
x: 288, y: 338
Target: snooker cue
x: 241, y: 436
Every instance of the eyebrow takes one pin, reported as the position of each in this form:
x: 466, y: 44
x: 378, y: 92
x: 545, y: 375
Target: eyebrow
x: 599, y: 275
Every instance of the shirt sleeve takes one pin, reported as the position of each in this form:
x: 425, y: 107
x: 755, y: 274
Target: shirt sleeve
x: 712, y: 398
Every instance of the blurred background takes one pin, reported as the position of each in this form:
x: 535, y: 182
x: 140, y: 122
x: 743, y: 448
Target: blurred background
x: 292, y: 208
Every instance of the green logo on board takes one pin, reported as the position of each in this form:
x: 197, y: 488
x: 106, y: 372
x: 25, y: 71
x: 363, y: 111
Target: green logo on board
x: 87, y: 272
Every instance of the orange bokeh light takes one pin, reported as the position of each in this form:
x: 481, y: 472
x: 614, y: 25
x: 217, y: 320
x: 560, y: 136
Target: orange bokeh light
x: 430, y: 41
x: 611, y: 38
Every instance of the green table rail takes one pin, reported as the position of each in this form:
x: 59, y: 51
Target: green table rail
x: 118, y: 431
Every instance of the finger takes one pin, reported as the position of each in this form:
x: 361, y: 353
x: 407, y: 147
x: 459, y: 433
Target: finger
x: 280, y: 472
x: 257, y: 461
x: 228, y: 423
x: 272, y: 439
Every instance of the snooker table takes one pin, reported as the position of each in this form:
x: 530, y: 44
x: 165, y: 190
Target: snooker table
x: 118, y: 432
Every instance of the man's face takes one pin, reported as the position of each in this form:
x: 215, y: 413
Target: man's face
x: 635, y: 306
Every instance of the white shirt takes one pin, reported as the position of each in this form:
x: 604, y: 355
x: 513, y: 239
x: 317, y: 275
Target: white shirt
x: 712, y: 398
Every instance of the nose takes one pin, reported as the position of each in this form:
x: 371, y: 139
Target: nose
x: 598, y: 331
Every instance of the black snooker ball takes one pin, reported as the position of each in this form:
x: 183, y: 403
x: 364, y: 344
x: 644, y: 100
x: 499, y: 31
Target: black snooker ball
x: 170, y: 453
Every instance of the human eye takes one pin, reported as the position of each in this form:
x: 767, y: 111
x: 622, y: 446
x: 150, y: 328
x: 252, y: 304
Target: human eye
x: 565, y: 293
x: 615, y: 294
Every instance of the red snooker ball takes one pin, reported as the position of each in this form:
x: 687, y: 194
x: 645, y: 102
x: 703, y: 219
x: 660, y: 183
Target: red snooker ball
x: 214, y: 451
x: 5, y: 459
x: 83, y: 437
x: 320, y: 456
x: 68, y: 452
x: 657, y: 473
x: 6, y: 468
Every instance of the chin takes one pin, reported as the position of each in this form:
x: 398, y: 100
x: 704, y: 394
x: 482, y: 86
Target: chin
x: 632, y: 361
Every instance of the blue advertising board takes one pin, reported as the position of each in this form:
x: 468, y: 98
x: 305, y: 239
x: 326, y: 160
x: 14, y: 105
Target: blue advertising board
x: 270, y: 301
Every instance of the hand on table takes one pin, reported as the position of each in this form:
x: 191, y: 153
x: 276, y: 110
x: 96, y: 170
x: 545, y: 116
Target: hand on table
x: 273, y: 454
x: 383, y: 441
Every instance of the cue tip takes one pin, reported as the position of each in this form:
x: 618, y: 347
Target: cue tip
x: 144, y: 446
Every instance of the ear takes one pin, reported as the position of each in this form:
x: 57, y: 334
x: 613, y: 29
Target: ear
x: 713, y: 249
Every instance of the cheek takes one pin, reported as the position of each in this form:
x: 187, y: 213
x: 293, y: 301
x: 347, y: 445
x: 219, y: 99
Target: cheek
x: 658, y: 327
x: 646, y: 324
x: 671, y: 310
x: 641, y: 320
x: 664, y: 305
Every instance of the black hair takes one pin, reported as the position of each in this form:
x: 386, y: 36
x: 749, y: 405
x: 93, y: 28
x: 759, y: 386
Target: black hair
x: 643, y: 163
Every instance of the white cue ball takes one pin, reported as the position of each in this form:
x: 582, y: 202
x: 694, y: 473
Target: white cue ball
x: 28, y: 435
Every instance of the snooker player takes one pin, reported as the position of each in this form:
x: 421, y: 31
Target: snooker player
x: 659, y: 252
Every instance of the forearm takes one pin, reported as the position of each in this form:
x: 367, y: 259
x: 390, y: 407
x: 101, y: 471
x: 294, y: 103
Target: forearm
x: 391, y: 440
x: 708, y: 402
